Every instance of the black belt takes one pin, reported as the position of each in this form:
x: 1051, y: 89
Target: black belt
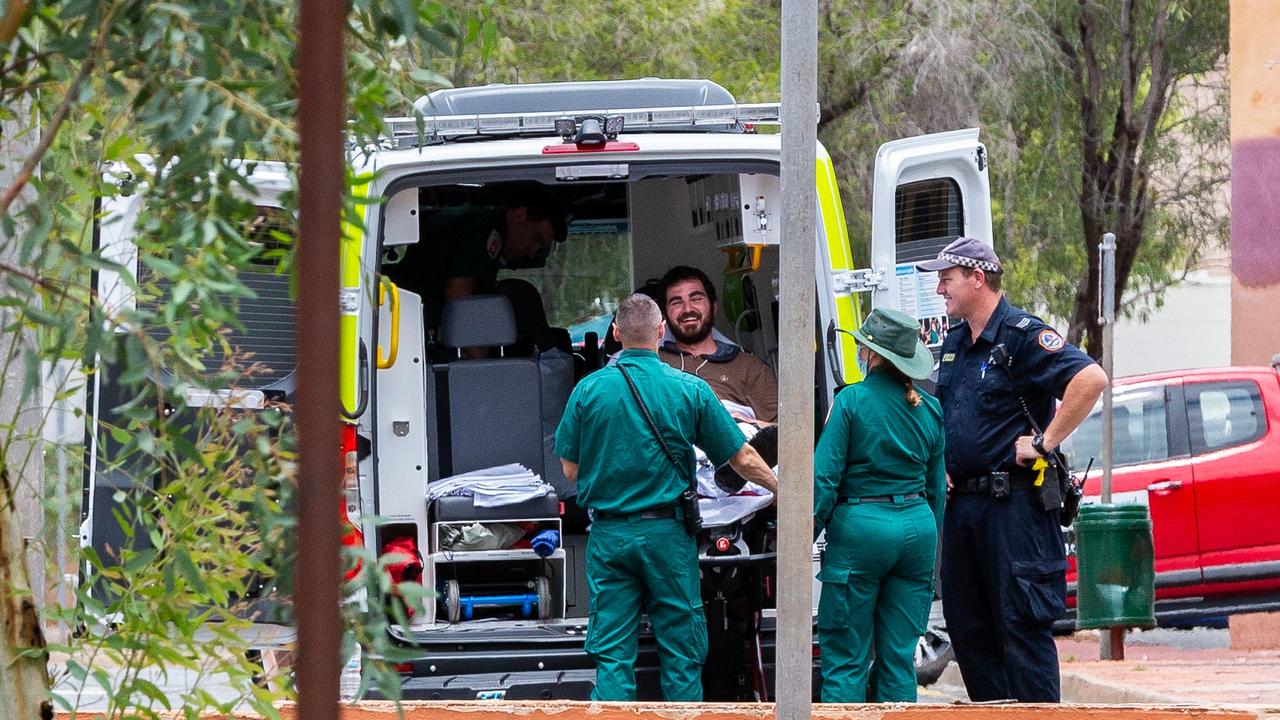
x: 981, y: 485
x: 846, y: 500
x: 659, y: 513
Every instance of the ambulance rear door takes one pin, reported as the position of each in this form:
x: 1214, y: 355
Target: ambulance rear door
x: 928, y: 190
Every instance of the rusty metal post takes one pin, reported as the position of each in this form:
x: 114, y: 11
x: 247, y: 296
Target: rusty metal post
x: 317, y: 574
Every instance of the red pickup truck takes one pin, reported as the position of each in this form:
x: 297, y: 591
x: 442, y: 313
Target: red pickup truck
x: 1201, y: 448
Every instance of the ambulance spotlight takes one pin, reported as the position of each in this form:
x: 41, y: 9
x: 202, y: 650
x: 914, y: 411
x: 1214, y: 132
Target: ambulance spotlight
x: 566, y: 127
x: 612, y: 126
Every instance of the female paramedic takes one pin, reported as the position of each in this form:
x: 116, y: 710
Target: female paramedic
x: 879, y: 490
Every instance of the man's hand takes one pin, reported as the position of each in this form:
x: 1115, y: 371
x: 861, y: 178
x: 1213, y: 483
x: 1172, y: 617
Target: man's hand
x: 1026, y: 453
x: 751, y: 466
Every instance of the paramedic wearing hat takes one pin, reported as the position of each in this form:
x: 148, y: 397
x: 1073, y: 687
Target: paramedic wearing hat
x: 462, y: 248
x: 1003, y: 566
x: 879, y: 490
x: 639, y: 555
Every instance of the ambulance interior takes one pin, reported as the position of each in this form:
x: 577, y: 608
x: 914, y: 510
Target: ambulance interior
x: 444, y: 409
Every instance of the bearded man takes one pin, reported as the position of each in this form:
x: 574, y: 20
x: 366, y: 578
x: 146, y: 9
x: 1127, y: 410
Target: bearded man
x: 689, y: 305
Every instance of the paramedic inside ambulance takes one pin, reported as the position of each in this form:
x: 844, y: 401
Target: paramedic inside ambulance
x: 694, y: 346
x: 463, y: 248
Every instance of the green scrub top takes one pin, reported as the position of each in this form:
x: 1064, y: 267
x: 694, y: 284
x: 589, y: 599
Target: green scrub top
x: 876, y: 444
x: 621, y: 467
x: 459, y: 242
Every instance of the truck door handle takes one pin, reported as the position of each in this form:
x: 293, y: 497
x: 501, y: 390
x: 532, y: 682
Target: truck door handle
x: 1164, y: 486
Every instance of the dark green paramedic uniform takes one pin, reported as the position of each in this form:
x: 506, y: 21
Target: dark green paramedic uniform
x: 639, y: 556
x: 879, y: 490
x: 460, y: 242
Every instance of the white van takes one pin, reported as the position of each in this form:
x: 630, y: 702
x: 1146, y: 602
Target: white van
x: 652, y: 174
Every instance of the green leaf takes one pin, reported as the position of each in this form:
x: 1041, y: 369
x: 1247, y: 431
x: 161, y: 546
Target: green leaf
x: 188, y: 570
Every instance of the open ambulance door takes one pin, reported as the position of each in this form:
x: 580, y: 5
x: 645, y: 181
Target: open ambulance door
x: 110, y: 478
x: 928, y: 190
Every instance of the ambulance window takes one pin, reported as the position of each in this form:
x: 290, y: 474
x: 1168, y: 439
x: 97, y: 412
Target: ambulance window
x: 585, y: 278
x: 264, y: 344
x: 928, y: 212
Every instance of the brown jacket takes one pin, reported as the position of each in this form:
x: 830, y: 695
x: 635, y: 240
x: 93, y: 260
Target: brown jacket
x: 733, y: 375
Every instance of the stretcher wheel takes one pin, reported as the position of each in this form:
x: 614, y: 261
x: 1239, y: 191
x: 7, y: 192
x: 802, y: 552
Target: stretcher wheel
x: 452, y: 601
x: 543, y: 587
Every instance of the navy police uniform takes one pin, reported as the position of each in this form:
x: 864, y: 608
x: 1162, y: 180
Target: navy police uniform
x: 1003, y: 561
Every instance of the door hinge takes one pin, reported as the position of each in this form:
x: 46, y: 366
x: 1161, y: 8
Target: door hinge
x: 858, y: 281
x: 982, y: 158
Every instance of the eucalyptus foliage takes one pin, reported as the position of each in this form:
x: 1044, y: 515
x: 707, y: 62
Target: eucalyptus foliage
x: 896, y: 68
x: 178, y: 100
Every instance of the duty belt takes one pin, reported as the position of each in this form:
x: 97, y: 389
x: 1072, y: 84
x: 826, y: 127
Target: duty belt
x: 847, y: 500
x: 658, y: 513
x: 981, y: 485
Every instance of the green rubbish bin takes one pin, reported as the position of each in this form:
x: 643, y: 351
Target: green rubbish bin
x: 1115, y: 566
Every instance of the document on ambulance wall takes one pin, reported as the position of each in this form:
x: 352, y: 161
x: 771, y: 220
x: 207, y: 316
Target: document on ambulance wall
x: 918, y: 297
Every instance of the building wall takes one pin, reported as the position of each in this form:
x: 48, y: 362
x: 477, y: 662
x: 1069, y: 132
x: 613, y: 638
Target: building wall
x: 1255, y: 181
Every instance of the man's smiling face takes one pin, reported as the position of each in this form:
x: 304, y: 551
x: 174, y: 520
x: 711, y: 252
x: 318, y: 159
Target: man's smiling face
x: 689, y: 311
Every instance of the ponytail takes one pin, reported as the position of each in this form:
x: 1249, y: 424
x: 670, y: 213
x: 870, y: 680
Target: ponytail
x: 913, y: 397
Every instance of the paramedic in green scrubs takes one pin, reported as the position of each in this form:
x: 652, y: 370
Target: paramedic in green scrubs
x: 879, y: 491
x: 640, y: 558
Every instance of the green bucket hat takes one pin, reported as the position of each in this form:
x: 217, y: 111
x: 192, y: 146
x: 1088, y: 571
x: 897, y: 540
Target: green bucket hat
x: 895, y: 336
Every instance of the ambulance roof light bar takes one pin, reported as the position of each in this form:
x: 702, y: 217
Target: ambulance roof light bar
x: 405, y: 130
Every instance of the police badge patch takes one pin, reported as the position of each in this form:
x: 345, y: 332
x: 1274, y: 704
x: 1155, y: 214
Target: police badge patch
x: 494, y: 244
x: 1051, y: 341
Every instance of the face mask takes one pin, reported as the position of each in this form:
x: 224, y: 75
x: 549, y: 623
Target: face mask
x: 864, y: 359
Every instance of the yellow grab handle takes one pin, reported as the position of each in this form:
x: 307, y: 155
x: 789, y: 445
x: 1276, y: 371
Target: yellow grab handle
x: 384, y: 363
x: 1040, y: 465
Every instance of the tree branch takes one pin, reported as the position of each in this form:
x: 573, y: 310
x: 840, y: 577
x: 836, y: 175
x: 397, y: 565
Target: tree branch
x: 29, y: 165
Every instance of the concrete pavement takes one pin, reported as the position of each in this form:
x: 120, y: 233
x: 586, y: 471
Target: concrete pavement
x: 1161, y: 667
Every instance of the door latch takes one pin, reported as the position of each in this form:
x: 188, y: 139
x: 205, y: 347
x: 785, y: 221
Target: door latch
x: 858, y: 281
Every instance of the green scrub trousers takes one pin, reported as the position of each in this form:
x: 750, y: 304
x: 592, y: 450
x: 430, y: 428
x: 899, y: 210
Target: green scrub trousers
x: 648, y: 565
x: 877, y: 587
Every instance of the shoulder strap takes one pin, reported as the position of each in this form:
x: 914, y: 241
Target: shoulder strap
x: 648, y: 418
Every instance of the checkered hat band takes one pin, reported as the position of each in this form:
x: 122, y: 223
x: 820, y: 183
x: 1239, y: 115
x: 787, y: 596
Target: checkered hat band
x: 963, y: 261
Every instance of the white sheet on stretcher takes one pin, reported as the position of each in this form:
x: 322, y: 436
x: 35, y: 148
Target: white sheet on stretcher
x: 718, y: 507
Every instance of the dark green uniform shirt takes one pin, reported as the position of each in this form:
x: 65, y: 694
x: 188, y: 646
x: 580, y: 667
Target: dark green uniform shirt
x: 621, y: 467
x: 460, y: 242
x: 876, y: 444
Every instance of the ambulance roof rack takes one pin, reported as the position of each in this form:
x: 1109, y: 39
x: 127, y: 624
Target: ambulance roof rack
x: 532, y: 110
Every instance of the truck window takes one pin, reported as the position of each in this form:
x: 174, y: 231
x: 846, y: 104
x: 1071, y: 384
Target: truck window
x: 585, y: 278
x: 1139, y: 433
x: 1224, y: 415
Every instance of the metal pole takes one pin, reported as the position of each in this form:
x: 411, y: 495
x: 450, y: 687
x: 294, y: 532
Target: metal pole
x: 794, y: 680
x: 317, y: 575
x: 1107, y: 251
x: 1111, y: 640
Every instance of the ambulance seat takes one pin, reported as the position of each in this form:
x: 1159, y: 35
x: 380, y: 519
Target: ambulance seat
x: 482, y: 412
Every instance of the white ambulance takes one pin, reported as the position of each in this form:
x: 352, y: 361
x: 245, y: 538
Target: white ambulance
x: 651, y: 174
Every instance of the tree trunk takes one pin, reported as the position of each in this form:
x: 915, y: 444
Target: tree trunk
x: 24, y: 683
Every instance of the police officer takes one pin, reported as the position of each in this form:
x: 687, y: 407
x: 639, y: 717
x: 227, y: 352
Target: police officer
x: 879, y: 491
x: 1003, y: 565
x: 640, y: 557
